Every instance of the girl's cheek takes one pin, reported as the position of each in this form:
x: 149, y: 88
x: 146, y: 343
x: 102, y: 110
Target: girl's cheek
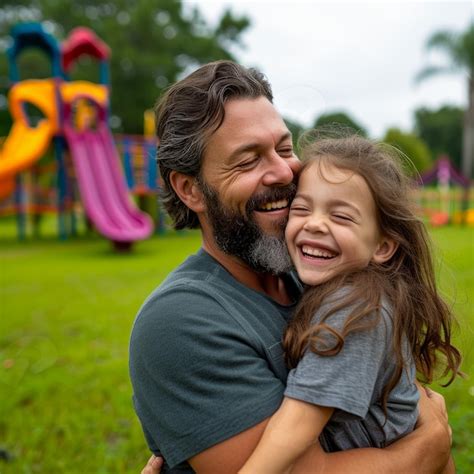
x: 288, y: 229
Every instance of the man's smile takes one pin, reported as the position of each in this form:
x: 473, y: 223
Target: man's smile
x: 273, y: 206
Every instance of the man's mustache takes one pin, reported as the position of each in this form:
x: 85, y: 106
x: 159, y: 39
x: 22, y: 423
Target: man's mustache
x: 271, y: 195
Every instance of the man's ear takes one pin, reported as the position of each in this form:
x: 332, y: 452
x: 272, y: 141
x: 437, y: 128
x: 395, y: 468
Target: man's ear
x: 385, y: 250
x: 188, y: 191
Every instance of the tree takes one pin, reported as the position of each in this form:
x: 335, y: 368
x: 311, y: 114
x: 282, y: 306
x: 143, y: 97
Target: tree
x: 412, y: 147
x: 441, y: 130
x: 152, y: 43
x: 296, y: 130
x: 339, y: 118
x: 459, y: 51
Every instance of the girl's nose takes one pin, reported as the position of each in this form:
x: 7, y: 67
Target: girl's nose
x: 316, y: 223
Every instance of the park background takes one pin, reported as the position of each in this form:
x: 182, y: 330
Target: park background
x: 66, y: 306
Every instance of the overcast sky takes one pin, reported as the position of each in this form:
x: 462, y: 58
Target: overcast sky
x: 360, y: 57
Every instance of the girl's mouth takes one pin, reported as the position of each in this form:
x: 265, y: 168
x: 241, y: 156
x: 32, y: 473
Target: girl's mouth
x: 318, y: 252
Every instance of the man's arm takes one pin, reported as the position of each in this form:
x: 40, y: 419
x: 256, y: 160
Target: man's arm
x: 407, y: 455
x: 230, y: 455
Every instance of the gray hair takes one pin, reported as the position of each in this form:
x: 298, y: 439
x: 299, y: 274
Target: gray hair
x: 186, y: 116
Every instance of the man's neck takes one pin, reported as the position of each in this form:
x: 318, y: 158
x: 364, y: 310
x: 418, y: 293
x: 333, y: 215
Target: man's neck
x: 271, y: 285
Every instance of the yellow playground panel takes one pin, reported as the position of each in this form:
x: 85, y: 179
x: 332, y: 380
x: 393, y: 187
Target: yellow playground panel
x: 71, y: 91
x: 25, y: 143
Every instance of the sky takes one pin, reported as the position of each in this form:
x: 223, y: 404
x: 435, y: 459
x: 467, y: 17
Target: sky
x: 358, y: 57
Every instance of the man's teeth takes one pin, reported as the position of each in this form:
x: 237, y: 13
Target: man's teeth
x: 270, y: 206
x: 315, y: 252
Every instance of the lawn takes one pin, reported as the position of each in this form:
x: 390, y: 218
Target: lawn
x: 66, y: 312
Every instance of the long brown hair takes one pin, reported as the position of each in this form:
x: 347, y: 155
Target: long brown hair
x: 406, y: 282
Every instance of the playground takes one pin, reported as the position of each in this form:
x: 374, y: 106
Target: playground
x: 75, y: 120
x: 83, y: 242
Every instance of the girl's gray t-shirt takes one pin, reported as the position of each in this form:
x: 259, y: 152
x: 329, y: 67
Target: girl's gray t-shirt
x: 352, y: 382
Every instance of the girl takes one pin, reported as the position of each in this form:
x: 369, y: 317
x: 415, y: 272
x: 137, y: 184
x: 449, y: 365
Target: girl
x: 371, y: 316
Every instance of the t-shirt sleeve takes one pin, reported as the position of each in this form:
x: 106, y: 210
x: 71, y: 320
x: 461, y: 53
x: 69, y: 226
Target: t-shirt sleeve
x: 345, y: 381
x: 197, y: 378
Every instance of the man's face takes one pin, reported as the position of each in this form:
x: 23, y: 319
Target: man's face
x: 248, y: 178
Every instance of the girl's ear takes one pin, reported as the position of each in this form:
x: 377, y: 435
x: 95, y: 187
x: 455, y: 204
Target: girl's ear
x: 385, y: 250
x: 188, y: 191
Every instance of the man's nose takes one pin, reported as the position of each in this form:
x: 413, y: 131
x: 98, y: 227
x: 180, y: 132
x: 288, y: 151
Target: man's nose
x: 280, y: 170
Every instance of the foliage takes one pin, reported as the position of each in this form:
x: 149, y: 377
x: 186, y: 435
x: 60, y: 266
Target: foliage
x: 441, y: 130
x: 153, y: 44
x: 67, y: 311
x: 458, y: 49
x: 412, y: 147
x: 296, y: 130
x: 340, y: 118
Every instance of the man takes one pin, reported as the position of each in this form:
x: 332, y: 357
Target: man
x: 205, y: 356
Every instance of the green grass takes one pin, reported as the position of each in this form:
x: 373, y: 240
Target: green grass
x: 455, y: 251
x: 66, y: 312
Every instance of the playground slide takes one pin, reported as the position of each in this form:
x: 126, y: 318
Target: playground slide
x: 25, y: 144
x: 21, y: 149
x: 102, y: 185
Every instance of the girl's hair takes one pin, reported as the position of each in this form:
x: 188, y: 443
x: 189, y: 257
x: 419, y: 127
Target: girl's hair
x: 406, y: 282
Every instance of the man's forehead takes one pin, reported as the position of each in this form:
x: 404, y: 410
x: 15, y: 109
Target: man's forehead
x: 251, y: 120
x: 241, y: 108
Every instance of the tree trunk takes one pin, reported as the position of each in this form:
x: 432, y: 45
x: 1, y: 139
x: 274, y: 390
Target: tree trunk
x: 468, y: 133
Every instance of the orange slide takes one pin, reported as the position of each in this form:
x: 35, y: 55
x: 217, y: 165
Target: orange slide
x: 26, y: 144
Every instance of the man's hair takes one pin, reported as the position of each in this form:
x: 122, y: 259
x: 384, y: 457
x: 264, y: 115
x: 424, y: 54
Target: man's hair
x: 189, y: 112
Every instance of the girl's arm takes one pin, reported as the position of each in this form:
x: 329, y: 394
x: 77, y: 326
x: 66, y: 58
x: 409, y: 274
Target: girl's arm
x: 294, y: 427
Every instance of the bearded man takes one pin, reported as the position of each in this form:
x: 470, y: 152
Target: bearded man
x: 206, y: 360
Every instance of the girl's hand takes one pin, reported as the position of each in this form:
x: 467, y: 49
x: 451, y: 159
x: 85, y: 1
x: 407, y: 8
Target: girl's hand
x: 153, y: 466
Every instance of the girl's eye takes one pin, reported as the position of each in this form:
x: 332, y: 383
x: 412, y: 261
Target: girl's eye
x: 343, y: 217
x: 297, y: 208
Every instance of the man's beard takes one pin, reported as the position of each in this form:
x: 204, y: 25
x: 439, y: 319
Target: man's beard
x: 240, y: 235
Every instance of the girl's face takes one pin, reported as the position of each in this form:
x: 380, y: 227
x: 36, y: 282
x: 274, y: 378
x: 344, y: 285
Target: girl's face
x: 332, y: 225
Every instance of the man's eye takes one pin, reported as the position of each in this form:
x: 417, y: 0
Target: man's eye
x: 286, y: 152
x: 250, y: 162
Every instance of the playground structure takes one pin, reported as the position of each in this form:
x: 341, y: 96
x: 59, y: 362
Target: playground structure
x: 75, y: 120
x: 445, y: 195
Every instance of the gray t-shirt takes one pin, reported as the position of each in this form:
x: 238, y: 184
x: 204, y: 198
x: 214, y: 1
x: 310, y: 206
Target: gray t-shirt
x: 352, y: 382
x: 206, y: 361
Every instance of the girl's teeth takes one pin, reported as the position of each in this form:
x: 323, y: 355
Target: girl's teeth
x: 314, y: 252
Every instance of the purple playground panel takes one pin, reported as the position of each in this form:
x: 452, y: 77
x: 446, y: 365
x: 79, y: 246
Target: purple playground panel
x: 103, y: 187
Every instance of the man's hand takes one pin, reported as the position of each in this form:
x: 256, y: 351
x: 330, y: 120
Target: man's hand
x: 434, y: 403
x: 433, y: 406
x: 153, y: 466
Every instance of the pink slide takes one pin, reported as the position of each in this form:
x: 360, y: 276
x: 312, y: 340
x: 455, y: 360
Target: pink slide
x: 102, y: 185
